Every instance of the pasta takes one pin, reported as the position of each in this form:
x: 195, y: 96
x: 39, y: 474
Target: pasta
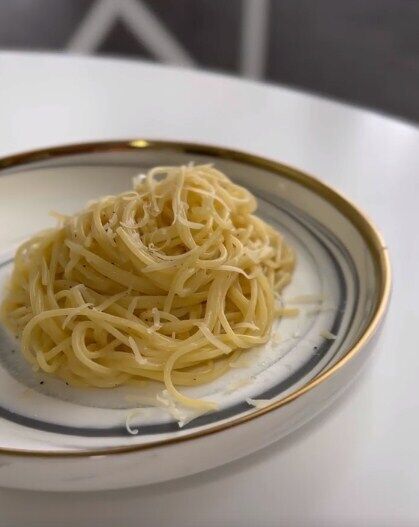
x: 171, y: 281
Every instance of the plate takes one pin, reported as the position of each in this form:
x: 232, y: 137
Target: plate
x: 55, y: 437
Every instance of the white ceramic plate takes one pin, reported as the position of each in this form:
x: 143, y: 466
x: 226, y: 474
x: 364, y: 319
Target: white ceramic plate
x: 56, y: 437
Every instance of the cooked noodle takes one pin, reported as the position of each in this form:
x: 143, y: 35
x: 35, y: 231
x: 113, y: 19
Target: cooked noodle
x: 171, y: 282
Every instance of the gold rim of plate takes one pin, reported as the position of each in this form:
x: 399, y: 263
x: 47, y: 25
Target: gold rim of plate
x: 362, y: 223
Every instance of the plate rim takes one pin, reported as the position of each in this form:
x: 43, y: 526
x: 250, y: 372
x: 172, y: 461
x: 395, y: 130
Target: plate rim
x: 352, y: 212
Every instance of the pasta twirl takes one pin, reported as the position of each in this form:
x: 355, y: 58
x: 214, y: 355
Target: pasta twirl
x: 171, y: 281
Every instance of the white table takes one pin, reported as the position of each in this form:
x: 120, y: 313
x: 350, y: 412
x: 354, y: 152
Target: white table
x: 355, y: 465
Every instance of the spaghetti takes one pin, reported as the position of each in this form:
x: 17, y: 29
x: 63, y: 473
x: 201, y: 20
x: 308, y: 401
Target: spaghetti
x: 171, y: 281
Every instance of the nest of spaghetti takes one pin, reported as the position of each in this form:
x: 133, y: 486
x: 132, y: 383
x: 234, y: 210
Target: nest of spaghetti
x: 171, y: 281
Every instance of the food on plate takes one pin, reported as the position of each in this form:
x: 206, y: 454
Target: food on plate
x: 171, y: 281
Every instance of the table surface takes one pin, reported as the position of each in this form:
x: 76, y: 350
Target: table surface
x: 357, y: 463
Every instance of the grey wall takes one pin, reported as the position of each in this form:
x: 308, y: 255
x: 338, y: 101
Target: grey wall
x: 362, y: 51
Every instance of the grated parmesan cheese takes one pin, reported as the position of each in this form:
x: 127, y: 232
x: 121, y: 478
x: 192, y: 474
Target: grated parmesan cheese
x: 132, y: 305
x: 164, y: 402
x: 136, y: 350
x: 129, y: 417
x: 187, y: 419
x: 328, y: 335
x: 170, y: 406
x: 258, y: 403
x: 138, y: 180
x: 156, y: 321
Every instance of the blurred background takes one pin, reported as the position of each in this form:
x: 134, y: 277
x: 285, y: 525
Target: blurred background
x: 364, y: 52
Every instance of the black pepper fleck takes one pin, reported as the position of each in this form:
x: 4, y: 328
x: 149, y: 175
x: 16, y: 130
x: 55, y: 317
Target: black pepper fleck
x: 42, y: 382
